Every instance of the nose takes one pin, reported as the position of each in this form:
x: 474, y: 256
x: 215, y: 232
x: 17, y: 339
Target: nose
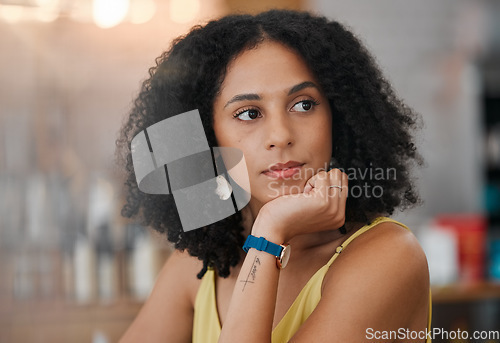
x: 279, y: 131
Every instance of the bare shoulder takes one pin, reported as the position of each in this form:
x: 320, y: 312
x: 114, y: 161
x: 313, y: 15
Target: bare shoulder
x: 388, y: 239
x: 389, y: 253
x: 180, y: 271
x: 380, y: 281
x: 395, y: 246
x: 168, y: 312
x: 384, y: 268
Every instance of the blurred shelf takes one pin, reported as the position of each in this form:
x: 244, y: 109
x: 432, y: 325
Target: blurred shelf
x: 457, y: 293
x: 59, y: 310
x: 57, y: 321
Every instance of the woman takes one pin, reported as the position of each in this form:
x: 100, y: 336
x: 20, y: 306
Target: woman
x: 294, y: 93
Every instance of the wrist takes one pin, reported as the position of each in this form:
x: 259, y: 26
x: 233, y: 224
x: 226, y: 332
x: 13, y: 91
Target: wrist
x: 273, y: 232
x: 280, y: 251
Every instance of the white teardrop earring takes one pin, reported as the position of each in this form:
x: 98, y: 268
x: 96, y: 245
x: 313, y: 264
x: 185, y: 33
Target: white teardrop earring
x: 223, y: 189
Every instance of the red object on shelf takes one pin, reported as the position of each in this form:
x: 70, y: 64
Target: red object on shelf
x: 470, y: 230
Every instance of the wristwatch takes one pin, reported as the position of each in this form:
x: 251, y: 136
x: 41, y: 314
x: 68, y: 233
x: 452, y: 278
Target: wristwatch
x: 281, y: 251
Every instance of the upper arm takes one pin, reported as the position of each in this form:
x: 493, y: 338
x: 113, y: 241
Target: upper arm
x: 379, y: 282
x: 168, y: 312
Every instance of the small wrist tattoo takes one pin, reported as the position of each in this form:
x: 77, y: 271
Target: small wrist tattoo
x: 252, y: 273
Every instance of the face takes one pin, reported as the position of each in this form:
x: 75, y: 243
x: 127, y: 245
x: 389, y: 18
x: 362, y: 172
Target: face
x: 270, y: 107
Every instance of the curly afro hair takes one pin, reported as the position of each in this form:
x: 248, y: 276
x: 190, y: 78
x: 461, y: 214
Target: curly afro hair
x: 372, y: 128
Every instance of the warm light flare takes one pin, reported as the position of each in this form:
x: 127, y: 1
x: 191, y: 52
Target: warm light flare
x: 109, y: 13
x: 11, y: 13
x: 48, y: 10
x: 184, y: 11
x: 104, y: 13
x: 141, y: 11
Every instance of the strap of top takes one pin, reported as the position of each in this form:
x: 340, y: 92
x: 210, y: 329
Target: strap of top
x: 365, y: 228
x: 206, y: 322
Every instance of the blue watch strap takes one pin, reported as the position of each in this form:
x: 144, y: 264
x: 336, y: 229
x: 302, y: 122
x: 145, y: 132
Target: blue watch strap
x: 262, y: 244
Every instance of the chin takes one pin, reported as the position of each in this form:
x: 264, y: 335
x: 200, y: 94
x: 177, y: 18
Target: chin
x: 278, y: 190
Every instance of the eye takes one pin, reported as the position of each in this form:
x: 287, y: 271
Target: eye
x: 247, y: 115
x: 304, y: 105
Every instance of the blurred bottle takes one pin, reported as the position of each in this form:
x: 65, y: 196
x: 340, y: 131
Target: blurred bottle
x: 24, y: 286
x: 470, y: 231
x: 99, y: 337
x: 441, y: 249
x: 492, y: 198
x: 494, y: 267
x: 142, y: 264
x: 107, y: 267
x: 493, y: 146
x: 93, y: 249
x: 84, y: 270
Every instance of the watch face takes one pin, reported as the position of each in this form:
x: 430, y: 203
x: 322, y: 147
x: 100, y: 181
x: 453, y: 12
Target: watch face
x: 285, y: 256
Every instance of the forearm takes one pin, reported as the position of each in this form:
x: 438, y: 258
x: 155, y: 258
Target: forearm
x: 251, y: 311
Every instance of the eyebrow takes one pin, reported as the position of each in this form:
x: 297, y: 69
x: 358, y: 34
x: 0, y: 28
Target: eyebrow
x: 253, y: 96
x: 301, y: 86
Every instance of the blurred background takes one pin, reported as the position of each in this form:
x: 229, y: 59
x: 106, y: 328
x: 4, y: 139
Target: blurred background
x: 72, y: 269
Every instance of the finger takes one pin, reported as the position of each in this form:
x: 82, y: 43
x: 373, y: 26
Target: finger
x: 321, y: 183
x: 345, y: 191
x: 312, y: 181
x: 341, y: 182
x: 335, y: 186
x: 345, y: 184
x: 328, y: 184
x: 308, y: 187
x: 341, y: 179
x: 343, y: 199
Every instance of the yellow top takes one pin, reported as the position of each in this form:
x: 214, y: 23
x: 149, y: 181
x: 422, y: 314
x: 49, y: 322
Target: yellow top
x: 206, y: 325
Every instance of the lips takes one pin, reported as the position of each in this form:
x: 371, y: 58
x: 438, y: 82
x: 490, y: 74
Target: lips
x: 281, y: 166
x: 283, y: 170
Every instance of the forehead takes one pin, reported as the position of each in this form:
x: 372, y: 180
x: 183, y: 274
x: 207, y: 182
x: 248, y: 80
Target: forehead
x: 270, y: 65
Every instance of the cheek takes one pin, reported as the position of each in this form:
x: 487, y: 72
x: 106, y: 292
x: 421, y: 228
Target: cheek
x: 227, y: 137
x: 320, y: 136
x: 226, y: 134
x: 327, y: 133
x: 223, y: 135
